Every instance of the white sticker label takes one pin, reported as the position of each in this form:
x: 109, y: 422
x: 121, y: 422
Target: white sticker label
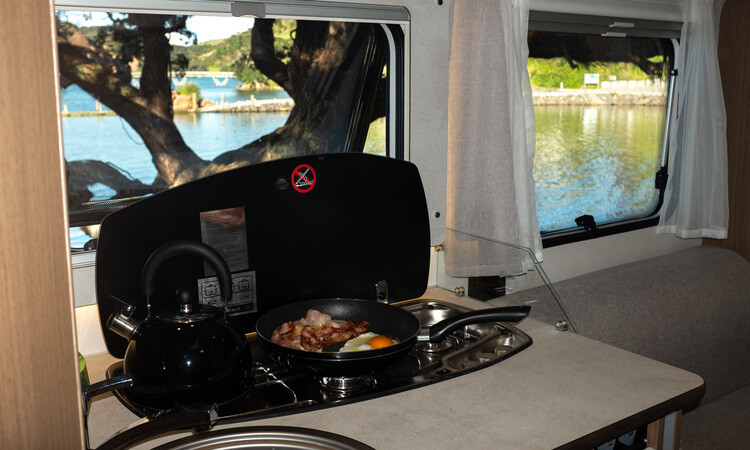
x: 243, y: 293
x: 224, y: 230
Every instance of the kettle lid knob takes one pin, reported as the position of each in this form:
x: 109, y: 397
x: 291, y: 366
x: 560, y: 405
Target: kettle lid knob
x: 185, y: 299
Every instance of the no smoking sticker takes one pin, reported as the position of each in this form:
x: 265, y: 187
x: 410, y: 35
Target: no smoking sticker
x: 303, y: 178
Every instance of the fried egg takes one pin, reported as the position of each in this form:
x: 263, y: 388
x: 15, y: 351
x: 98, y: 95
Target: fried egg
x: 367, y: 341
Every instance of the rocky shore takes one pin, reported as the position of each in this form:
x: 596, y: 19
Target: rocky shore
x: 184, y: 103
x: 257, y: 87
x: 594, y: 97
x: 275, y: 105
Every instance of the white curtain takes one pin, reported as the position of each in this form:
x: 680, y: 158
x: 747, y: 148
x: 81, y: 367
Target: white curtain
x: 696, y: 200
x: 490, y: 140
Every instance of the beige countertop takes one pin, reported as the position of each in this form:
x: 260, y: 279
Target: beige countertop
x: 562, y: 388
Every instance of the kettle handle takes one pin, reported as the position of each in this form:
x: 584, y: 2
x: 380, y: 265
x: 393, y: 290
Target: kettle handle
x: 186, y: 248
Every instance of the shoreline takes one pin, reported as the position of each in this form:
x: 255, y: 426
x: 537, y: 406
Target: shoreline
x: 244, y: 106
x: 564, y: 97
x: 253, y: 105
x: 599, y: 97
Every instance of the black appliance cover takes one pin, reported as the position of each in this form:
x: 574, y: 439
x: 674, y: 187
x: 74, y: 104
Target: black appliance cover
x: 321, y: 226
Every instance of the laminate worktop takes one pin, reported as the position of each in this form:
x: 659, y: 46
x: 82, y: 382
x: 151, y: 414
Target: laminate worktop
x: 564, y: 390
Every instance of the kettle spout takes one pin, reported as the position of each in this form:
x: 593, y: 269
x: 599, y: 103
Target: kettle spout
x: 121, y: 323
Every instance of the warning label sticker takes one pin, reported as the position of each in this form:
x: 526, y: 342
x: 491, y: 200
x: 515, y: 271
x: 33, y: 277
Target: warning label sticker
x: 224, y: 230
x: 243, y: 293
x: 303, y: 178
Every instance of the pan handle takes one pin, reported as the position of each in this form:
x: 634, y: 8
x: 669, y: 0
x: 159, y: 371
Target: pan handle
x: 442, y: 329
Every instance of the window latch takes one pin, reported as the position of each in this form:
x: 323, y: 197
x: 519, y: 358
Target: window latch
x: 621, y: 25
x: 257, y: 10
x: 660, y: 182
x: 614, y: 34
x: 587, y: 222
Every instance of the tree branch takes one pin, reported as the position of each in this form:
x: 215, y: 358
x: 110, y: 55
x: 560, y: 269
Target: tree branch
x: 148, y: 110
x: 264, y: 56
x: 82, y: 174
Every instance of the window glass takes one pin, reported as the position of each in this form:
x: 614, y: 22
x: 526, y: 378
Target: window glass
x: 151, y: 101
x: 600, y: 106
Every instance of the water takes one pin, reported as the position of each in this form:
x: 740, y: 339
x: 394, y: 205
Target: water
x: 76, y: 99
x: 110, y: 139
x: 597, y: 160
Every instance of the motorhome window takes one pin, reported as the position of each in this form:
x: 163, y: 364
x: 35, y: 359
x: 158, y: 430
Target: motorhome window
x: 600, y: 103
x: 152, y: 101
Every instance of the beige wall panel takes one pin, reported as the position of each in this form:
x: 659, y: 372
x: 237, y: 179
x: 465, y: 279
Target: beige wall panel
x: 39, y: 400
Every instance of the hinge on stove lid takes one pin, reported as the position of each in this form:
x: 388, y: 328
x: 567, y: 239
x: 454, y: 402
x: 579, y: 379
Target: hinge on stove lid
x: 381, y: 291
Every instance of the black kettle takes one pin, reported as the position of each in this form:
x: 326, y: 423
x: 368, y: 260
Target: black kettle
x: 186, y: 353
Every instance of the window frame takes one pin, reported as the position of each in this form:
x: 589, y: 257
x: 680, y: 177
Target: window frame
x: 630, y: 27
x: 394, y: 21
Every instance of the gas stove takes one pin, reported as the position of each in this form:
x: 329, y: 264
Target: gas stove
x: 279, y: 391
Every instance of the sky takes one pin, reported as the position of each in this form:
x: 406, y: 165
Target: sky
x: 206, y: 28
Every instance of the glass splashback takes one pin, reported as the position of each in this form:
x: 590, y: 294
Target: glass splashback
x: 520, y: 279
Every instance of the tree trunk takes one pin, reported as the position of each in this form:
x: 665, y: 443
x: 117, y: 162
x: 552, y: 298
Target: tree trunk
x: 322, y: 76
x: 149, y: 109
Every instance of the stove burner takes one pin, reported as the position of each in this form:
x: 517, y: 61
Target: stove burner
x: 346, y: 385
x: 280, y: 390
x: 445, y: 345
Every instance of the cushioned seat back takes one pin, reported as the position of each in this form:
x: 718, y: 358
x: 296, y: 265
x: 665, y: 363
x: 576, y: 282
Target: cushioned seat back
x: 689, y: 309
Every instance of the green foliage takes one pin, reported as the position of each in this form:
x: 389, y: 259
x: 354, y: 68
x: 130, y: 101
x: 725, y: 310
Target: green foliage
x: 248, y: 74
x: 122, y: 40
x: 549, y: 73
x: 211, y: 55
x: 244, y: 67
x: 283, y: 39
x: 189, y: 89
x: 658, y: 59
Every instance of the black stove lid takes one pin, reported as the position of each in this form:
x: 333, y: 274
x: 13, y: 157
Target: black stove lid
x: 294, y: 229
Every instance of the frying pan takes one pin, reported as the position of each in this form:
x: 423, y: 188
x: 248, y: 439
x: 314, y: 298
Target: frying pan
x: 384, y: 319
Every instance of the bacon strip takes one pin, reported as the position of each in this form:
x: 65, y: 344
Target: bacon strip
x: 316, y: 330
